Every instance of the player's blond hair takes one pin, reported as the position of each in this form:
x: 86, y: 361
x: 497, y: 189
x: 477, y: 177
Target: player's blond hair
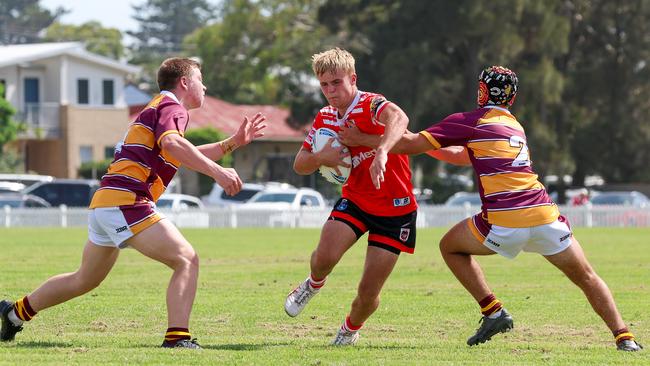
x: 332, y: 61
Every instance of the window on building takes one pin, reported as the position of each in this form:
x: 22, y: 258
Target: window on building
x: 109, y: 152
x: 85, y: 153
x: 83, y: 91
x: 109, y: 91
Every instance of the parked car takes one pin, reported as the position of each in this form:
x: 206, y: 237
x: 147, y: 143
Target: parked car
x: 286, y: 198
x: 19, y: 200
x: 218, y: 197
x: 627, y: 208
x: 623, y: 198
x: 464, y: 198
x: 177, y: 201
x: 69, y: 192
x: 11, y: 187
x: 26, y: 179
x: 183, y: 210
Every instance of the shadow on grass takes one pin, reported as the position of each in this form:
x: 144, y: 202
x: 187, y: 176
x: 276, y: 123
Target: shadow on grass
x: 229, y: 347
x: 37, y: 344
x: 243, y: 346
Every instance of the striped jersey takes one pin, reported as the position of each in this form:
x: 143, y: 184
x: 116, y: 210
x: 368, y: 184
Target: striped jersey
x: 141, y: 170
x: 510, y: 191
x: 395, y: 198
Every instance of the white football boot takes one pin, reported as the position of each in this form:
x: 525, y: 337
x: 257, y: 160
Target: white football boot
x: 298, y: 298
x: 346, y: 337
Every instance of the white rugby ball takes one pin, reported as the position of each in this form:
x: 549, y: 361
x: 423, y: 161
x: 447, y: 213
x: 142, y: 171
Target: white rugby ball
x: 322, y: 138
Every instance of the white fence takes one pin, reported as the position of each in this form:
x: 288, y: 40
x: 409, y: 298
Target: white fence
x: 428, y: 216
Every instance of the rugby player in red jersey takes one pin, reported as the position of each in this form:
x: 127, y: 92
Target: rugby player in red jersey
x: 388, y: 214
x: 517, y: 213
x: 123, y: 212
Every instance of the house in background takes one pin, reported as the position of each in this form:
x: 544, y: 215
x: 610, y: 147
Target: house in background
x: 269, y: 158
x: 72, y: 102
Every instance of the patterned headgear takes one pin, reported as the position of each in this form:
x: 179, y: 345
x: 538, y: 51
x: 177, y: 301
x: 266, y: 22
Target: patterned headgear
x: 497, y: 85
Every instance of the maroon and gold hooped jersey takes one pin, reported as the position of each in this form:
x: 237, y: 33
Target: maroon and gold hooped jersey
x: 142, y: 170
x: 511, y: 194
x: 395, y: 198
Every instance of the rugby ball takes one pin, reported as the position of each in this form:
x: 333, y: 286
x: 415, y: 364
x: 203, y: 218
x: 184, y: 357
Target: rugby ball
x: 322, y: 136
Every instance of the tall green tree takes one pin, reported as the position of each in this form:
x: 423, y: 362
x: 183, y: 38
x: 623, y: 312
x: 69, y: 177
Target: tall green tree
x: 21, y: 21
x: 99, y: 40
x: 163, y: 24
x: 258, y: 52
x: 610, y: 81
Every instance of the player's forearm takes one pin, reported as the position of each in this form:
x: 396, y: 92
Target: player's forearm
x: 395, y: 126
x: 189, y: 155
x: 306, y: 163
x: 216, y: 150
x: 456, y: 155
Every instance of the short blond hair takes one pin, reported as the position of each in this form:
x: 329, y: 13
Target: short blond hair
x: 332, y: 61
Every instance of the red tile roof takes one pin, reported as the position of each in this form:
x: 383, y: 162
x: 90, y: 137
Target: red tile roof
x: 226, y: 117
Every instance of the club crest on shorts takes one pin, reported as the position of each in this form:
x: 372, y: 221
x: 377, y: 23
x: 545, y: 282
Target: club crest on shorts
x: 404, y: 234
x: 342, y: 205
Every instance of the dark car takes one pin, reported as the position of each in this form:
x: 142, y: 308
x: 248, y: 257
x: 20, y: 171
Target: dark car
x: 19, y: 200
x: 69, y: 192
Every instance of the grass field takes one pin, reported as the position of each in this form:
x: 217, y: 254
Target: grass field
x: 425, y: 316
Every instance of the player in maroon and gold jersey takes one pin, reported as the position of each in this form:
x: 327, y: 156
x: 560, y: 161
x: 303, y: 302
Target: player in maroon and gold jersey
x: 123, y: 211
x: 517, y: 213
x: 388, y: 214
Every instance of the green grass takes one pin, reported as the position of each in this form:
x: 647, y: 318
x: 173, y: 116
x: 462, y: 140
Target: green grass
x: 425, y: 316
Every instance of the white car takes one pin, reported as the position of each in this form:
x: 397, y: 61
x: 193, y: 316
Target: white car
x: 183, y: 210
x: 177, y: 201
x: 289, y: 207
x: 218, y: 197
x: 286, y: 198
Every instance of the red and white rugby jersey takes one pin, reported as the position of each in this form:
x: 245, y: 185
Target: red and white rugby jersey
x: 142, y: 170
x: 395, y: 197
x: 511, y: 194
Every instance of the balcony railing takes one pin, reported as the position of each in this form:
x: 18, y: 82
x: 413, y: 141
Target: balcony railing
x: 42, y: 121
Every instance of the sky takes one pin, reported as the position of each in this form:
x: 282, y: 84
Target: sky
x: 111, y: 13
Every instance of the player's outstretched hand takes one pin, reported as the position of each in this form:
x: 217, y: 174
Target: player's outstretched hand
x: 229, y: 180
x: 378, y: 168
x: 250, y: 130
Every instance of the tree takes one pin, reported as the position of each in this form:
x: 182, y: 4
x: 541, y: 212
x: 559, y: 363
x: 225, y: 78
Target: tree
x: 21, y: 21
x: 163, y: 24
x: 9, y: 128
x: 258, y: 52
x: 610, y: 81
x: 99, y: 40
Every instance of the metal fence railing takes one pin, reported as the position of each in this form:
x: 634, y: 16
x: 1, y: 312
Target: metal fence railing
x: 428, y: 216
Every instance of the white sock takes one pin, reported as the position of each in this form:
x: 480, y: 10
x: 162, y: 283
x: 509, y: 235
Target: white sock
x: 14, y: 318
x: 495, y: 315
x: 316, y: 285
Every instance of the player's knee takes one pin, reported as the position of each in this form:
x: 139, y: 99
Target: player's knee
x: 185, y: 260
x: 445, y: 244
x: 588, y: 278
